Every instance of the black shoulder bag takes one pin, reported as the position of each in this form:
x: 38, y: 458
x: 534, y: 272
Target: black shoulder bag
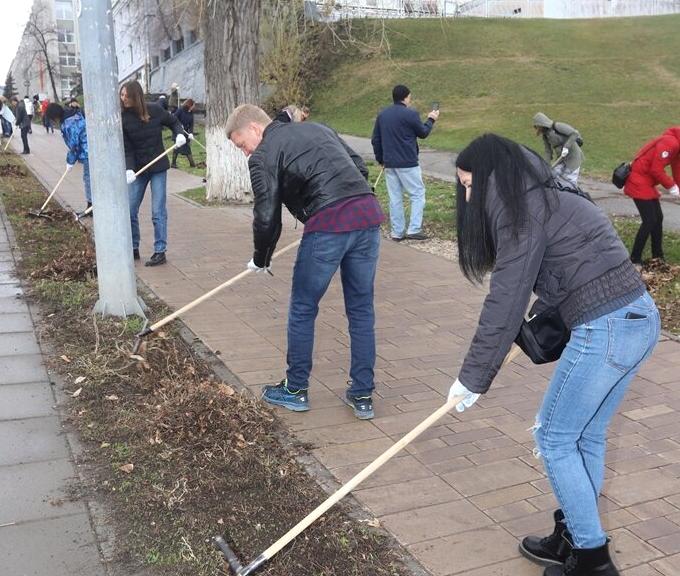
x: 544, y: 336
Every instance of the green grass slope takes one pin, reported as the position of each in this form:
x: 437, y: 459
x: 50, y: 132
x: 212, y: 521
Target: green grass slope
x: 616, y: 80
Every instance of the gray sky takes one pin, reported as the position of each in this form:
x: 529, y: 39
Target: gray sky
x: 14, y: 17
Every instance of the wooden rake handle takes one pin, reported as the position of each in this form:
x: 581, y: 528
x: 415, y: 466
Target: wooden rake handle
x: 207, y: 295
x: 156, y: 159
x: 53, y: 191
x: 8, y: 141
x: 375, y: 184
x: 370, y: 469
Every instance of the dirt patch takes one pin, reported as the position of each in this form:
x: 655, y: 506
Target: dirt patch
x: 12, y: 170
x: 177, y: 455
x: 663, y: 283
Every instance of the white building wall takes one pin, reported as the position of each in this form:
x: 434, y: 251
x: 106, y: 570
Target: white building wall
x: 609, y: 8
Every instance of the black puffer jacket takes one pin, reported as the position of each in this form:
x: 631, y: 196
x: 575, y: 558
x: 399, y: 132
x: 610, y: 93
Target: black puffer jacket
x: 305, y: 166
x: 143, y: 141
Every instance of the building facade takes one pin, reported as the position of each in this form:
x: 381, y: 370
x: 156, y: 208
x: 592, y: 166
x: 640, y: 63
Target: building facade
x: 331, y: 10
x: 49, y: 43
x: 159, y: 44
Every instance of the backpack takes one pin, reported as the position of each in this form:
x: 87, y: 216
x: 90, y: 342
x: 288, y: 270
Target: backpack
x: 579, y: 140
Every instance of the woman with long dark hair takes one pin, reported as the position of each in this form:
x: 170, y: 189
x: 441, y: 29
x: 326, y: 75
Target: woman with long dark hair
x: 143, y: 140
x: 534, y: 233
x: 185, y: 115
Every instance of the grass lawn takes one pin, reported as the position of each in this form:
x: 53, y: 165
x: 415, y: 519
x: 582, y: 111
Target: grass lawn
x: 198, y: 195
x: 439, y: 219
x: 196, y: 151
x: 616, y: 80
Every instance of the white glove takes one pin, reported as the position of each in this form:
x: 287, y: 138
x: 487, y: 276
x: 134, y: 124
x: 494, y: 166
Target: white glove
x: 69, y: 167
x: 459, y: 389
x: 180, y: 141
x: 255, y: 268
x: 191, y: 136
x: 565, y: 152
x: 674, y: 190
x: 130, y: 176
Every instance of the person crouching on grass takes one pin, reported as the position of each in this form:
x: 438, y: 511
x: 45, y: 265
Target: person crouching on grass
x: 533, y: 237
x: 308, y: 168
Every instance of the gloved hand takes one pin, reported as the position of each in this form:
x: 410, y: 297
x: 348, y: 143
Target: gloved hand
x: 459, y: 389
x: 191, y: 136
x: 565, y: 152
x: 255, y: 268
x: 674, y: 190
x: 130, y: 176
x: 69, y: 167
x: 180, y: 141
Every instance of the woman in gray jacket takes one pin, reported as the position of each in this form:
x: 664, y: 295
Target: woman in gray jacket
x: 534, y: 236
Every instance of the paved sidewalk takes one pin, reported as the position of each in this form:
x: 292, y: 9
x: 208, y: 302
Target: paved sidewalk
x: 441, y: 165
x: 463, y: 495
x: 42, y: 530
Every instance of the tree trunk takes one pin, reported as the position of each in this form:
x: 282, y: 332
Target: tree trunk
x: 231, y: 30
x: 50, y: 71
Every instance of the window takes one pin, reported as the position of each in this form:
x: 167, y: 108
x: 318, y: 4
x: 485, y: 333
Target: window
x: 64, y: 9
x: 178, y: 45
x: 68, y: 60
x: 155, y: 62
x: 68, y: 83
x: 166, y: 54
x: 193, y: 37
x: 66, y: 36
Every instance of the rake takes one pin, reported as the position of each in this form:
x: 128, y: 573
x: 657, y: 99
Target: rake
x: 146, y: 330
x: 41, y: 213
x: 232, y: 560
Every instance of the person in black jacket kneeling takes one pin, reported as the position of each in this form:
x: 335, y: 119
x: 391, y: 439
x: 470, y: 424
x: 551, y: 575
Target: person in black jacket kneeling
x: 323, y: 183
x: 143, y: 141
x: 535, y: 233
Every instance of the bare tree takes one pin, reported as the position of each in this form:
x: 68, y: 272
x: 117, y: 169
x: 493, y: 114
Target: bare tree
x: 41, y: 37
x: 230, y: 31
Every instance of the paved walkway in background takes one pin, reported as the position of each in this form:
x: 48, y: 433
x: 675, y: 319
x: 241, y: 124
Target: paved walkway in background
x: 441, y: 165
x: 462, y: 496
x: 42, y: 530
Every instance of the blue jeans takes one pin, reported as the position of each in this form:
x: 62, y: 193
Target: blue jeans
x: 589, y: 383
x: 410, y: 180
x: 159, y: 211
x: 86, y: 180
x: 319, y: 256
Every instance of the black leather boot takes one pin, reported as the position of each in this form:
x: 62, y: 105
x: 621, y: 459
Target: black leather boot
x: 585, y: 562
x: 550, y: 550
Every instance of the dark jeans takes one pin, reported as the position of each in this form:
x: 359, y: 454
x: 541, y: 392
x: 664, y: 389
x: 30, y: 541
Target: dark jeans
x: 24, y: 139
x: 319, y: 256
x: 652, y: 225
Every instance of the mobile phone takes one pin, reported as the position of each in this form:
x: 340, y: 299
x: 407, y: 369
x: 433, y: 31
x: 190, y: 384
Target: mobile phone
x: 435, y: 105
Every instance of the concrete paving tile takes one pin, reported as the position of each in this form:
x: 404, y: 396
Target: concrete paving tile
x: 514, y: 567
x: 61, y: 546
x: 630, y: 550
x: 26, y: 401
x: 20, y: 322
x: 435, y: 521
x: 37, y: 491
x: 406, y: 495
x: 10, y: 291
x: 16, y: 343
x: 491, y: 477
x: 31, y: 440
x: 466, y: 551
x: 639, y: 487
x: 12, y: 305
x: 21, y: 369
x: 669, y: 566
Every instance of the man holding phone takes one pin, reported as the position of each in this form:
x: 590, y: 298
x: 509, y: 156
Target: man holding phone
x: 395, y: 147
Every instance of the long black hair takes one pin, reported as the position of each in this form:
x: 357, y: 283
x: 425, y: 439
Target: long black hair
x: 492, y: 159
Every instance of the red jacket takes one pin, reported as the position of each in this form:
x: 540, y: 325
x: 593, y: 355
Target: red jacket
x: 648, y: 168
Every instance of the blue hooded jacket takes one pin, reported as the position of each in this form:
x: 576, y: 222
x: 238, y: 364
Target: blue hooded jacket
x: 75, y: 136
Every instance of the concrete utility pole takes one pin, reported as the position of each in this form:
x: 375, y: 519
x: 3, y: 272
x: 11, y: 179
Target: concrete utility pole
x: 112, y: 234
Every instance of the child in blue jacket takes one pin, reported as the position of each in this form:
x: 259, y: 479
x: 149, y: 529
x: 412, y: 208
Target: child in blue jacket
x: 73, y: 130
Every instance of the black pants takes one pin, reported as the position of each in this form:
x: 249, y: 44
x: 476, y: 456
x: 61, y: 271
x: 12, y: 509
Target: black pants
x: 24, y: 139
x: 652, y: 225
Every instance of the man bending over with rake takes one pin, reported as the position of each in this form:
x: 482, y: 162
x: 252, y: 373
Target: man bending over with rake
x: 323, y: 183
